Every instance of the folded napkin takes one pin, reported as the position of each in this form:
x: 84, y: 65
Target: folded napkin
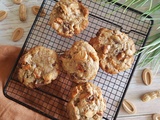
x: 9, y: 110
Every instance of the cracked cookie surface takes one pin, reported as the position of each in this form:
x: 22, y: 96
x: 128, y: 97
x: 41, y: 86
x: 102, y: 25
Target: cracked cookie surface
x: 87, y: 103
x: 115, y: 50
x: 81, y: 62
x: 39, y: 66
x: 69, y: 17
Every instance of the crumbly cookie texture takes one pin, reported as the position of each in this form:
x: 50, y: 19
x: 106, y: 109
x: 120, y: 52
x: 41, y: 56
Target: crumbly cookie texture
x: 39, y: 66
x: 115, y: 50
x: 81, y: 62
x: 87, y: 103
x: 69, y: 17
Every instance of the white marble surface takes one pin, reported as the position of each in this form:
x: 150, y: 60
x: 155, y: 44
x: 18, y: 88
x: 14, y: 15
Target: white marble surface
x: 136, y: 87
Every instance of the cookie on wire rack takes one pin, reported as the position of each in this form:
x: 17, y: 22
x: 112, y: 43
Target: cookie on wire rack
x: 37, y: 67
x: 69, y: 17
x: 115, y: 50
x: 86, y: 103
x: 81, y: 62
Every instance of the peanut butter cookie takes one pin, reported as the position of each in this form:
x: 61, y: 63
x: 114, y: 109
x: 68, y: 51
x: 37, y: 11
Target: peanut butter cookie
x: 87, y: 103
x: 115, y: 50
x: 81, y: 62
x: 38, y: 67
x: 69, y: 17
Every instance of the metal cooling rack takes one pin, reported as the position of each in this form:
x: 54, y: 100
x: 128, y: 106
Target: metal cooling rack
x: 50, y: 100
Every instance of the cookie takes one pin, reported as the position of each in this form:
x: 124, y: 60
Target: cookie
x: 81, y: 62
x: 37, y: 67
x: 69, y: 17
x: 115, y: 50
x: 87, y: 103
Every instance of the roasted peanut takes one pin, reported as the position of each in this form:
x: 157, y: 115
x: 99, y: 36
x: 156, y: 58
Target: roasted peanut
x: 128, y: 107
x: 81, y: 55
x: 17, y: 34
x: 156, y: 117
x: 93, y: 56
x: 106, y: 49
x: 150, y: 96
x: 59, y: 20
x: 22, y: 12
x: 3, y: 15
x: 17, y: 1
x: 35, y: 10
x: 147, y: 76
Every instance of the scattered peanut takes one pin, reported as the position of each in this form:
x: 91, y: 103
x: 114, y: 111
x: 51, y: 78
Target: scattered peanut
x: 156, y: 117
x: 3, y: 15
x: 22, y: 12
x: 150, y: 96
x: 35, y: 10
x: 17, y: 34
x: 128, y: 107
x: 17, y: 1
x: 147, y: 76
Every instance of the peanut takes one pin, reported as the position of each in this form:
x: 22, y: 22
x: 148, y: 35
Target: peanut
x: 22, y: 12
x: 81, y: 55
x: 3, y: 15
x: 17, y: 1
x: 17, y: 34
x: 106, y: 49
x: 93, y: 56
x: 150, y: 96
x: 156, y: 117
x: 35, y: 10
x: 128, y: 107
x: 59, y: 20
x: 147, y: 76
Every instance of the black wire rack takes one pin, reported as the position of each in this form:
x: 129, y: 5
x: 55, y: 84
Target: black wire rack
x: 50, y: 100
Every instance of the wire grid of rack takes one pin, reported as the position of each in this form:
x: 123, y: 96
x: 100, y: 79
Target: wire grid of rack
x: 50, y: 100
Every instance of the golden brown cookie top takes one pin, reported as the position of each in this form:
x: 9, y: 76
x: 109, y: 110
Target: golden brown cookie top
x: 69, y: 17
x: 81, y: 62
x: 39, y: 66
x: 87, y: 103
x: 115, y: 50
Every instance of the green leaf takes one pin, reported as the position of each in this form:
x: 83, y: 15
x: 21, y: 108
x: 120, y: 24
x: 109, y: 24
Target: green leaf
x: 154, y: 37
x: 152, y: 43
x: 154, y: 48
x: 150, y: 11
x: 140, y: 3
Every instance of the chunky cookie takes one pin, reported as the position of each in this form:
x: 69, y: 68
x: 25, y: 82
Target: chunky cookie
x: 115, y: 50
x: 38, y: 67
x: 81, y: 62
x: 87, y: 103
x: 69, y: 17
